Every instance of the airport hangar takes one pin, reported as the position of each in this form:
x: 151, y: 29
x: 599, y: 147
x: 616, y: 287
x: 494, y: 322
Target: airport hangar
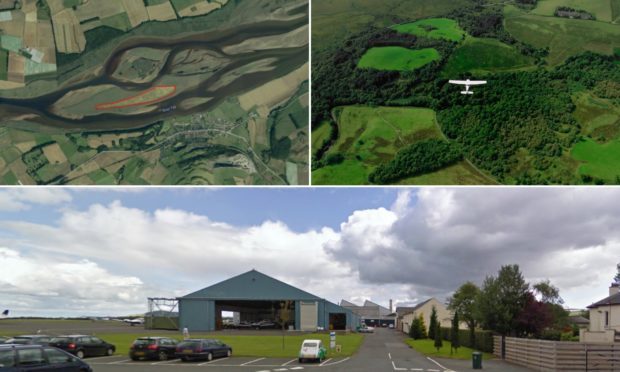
x: 255, y: 297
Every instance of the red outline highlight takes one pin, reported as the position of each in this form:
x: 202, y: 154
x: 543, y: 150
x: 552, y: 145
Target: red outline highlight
x: 115, y: 104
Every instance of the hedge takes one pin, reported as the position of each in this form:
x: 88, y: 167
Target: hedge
x: 484, y: 339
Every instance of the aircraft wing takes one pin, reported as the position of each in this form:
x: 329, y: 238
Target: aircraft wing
x: 460, y: 82
x: 478, y: 82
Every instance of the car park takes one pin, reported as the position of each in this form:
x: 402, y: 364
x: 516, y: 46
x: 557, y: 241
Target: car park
x: 29, y: 340
x: 205, y: 349
x: 83, y: 345
x: 31, y: 358
x: 312, y: 350
x: 161, y: 348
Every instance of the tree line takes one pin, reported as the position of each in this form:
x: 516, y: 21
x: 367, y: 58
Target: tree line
x: 416, y: 159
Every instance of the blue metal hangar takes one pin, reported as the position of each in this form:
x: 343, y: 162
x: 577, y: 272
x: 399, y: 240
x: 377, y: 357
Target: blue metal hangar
x: 255, y: 297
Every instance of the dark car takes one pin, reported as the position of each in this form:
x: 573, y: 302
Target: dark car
x: 29, y: 340
x: 27, y: 358
x: 161, y: 348
x: 83, y: 345
x: 206, y: 349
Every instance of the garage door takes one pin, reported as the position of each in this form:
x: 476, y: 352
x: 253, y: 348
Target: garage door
x: 308, y: 312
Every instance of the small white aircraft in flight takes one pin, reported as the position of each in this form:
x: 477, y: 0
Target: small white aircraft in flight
x: 467, y: 84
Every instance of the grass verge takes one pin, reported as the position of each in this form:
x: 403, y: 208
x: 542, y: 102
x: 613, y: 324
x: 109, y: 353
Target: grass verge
x: 427, y: 347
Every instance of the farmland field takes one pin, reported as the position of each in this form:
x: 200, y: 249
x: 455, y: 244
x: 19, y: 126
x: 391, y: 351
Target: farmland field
x: 438, y: 28
x: 565, y: 37
x: 397, y: 58
x: 599, y: 160
x: 602, y: 10
x: 481, y: 56
x: 337, y: 19
x: 130, y: 101
x: 548, y: 115
x: 369, y: 136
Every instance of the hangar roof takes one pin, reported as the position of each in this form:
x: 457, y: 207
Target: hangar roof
x: 252, y: 285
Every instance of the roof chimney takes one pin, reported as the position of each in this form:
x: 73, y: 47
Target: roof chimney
x: 391, y: 306
x: 614, y: 289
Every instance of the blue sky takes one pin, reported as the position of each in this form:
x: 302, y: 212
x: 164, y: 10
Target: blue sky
x: 337, y: 243
x: 300, y: 208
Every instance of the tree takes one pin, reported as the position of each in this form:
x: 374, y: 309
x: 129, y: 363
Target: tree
x: 438, y: 341
x: 502, y: 299
x: 464, y: 302
x: 548, y: 293
x: 454, y: 333
x: 414, y: 329
x: 432, y: 324
x: 535, y: 317
x: 422, y: 326
x: 617, y: 277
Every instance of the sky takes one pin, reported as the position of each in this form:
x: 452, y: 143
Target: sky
x: 102, y: 252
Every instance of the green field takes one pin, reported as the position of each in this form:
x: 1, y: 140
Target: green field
x: 119, y: 21
x: 4, y: 64
x: 461, y: 173
x: 481, y: 56
x: 601, y: 9
x: 565, y: 37
x: 319, y: 135
x: 599, y: 118
x: 600, y: 160
x: 335, y: 20
x: 435, y: 28
x: 369, y: 136
x: 427, y: 347
x: 397, y: 58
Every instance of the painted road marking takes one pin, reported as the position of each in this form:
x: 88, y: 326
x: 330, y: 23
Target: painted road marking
x: 390, y: 356
x: 322, y: 364
x: 166, y: 362
x: 396, y: 368
x: 252, y: 361
x: 289, y: 362
x: 121, y: 361
x: 280, y: 369
x: 296, y: 368
x: 212, y: 361
x: 337, y: 362
x: 439, y: 365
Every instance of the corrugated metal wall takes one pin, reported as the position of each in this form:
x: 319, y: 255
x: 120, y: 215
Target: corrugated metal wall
x: 197, y: 315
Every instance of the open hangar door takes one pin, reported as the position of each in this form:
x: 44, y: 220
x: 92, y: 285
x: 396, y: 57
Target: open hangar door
x: 256, y: 315
x: 337, y: 321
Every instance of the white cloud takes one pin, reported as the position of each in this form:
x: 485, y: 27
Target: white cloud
x: 31, y: 283
x: 17, y: 199
x: 427, y: 244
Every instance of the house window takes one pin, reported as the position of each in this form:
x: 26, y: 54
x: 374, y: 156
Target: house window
x: 606, y: 319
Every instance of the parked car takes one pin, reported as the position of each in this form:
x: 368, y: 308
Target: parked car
x: 208, y: 349
x: 29, y: 340
x: 312, y: 350
x: 265, y: 324
x: 391, y: 326
x: 365, y: 329
x: 161, y: 348
x: 31, y: 358
x: 243, y: 325
x: 83, y: 345
x: 3, y: 339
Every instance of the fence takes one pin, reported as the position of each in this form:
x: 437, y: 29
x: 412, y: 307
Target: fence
x: 542, y: 355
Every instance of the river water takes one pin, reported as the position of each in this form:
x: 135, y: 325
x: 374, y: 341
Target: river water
x: 287, y: 60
